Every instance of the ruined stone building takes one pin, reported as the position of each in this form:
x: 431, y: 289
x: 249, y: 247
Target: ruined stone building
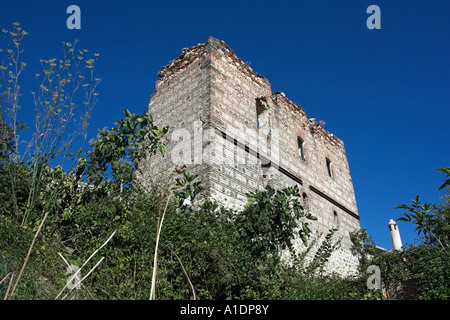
x: 228, y: 126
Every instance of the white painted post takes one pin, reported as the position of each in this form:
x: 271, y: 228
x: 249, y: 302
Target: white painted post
x: 395, y: 235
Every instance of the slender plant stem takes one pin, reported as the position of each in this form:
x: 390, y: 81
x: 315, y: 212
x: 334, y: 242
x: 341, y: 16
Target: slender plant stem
x: 437, y: 240
x: 9, y: 285
x: 155, y: 259
x: 184, y: 270
x: 28, y: 254
x: 6, y: 277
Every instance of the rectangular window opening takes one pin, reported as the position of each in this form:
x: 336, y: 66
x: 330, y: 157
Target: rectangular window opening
x: 301, y: 148
x: 260, y: 115
x: 329, y: 167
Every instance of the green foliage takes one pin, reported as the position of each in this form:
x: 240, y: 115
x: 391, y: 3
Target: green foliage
x: 431, y: 220
x: 420, y: 216
x: 421, y: 270
x: 206, y: 239
x: 446, y: 183
x: 430, y: 266
x: 424, y: 268
x: 442, y: 210
x: 122, y: 147
x: 362, y: 244
x: 323, y: 253
x: 428, y: 262
x: 63, y: 102
x: 270, y: 219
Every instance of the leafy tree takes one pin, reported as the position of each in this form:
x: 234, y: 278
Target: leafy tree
x: 122, y: 147
x: 431, y: 220
x: 422, y: 267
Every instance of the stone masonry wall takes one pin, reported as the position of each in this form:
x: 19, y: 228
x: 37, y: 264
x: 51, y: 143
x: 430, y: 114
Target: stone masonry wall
x: 228, y: 126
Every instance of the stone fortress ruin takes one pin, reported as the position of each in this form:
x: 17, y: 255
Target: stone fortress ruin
x: 227, y: 126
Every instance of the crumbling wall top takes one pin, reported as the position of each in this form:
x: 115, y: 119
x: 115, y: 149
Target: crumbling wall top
x: 188, y: 55
x: 219, y: 49
x: 215, y: 46
x: 316, y: 127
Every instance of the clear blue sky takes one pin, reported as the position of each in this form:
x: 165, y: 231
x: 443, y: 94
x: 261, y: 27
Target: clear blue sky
x: 385, y: 92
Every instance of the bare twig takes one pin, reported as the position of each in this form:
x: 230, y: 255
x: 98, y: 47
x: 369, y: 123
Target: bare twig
x: 9, y: 285
x: 5, y: 278
x: 28, y: 254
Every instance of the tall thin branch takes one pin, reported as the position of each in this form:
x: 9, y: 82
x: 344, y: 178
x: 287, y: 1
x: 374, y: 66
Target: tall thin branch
x: 28, y: 254
x: 155, y: 259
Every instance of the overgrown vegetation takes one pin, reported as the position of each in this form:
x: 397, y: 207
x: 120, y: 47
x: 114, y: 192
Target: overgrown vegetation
x: 64, y: 209
x: 420, y: 270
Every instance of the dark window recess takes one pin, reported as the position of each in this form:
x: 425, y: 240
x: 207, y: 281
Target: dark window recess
x: 301, y: 148
x: 261, y: 114
x: 329, y: 167
x: 335, y: 220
